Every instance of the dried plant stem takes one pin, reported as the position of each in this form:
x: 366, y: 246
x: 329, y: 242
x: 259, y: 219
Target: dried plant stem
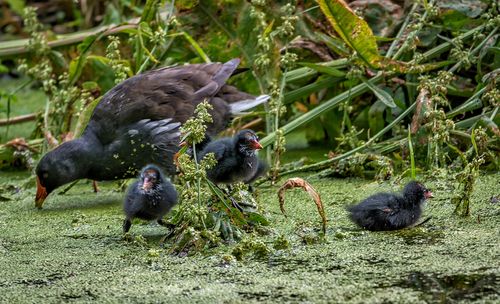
x: 297, y: 182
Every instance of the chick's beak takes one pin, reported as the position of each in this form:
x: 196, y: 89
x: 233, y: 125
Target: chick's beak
x: 428, y: 194
x: 147, y: 184
x: 41, y: 194
x: 256, y: 145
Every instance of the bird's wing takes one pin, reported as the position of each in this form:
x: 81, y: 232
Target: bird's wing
x: 171, y: 92
x: 220, y: 148
x: 144, y: 142
x: 382, y: 202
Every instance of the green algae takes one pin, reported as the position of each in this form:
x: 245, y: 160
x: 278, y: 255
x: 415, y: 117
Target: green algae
x: 73, y: 250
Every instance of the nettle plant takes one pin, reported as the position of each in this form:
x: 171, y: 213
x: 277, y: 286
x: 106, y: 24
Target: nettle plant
x: 207, y: 215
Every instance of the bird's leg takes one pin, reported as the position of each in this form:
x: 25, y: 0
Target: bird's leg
x: 69, y: 187
x: 424, y: 221
x: 94, y: 185
x: 169, y: 226
x: 165, y: 224
x: 233, y: 201
x: 235, y: 204
x: 250, y: 188
x: 227, y: 192
x: 126, y: 225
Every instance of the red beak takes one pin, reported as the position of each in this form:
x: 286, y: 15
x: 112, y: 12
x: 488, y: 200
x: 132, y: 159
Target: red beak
x: 41, y: 194
x: 428, y: 194
x: 256, y: 145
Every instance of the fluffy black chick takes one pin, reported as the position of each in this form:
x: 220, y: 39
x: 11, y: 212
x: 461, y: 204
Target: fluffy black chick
x: 236, y: 158
x: 149, y: 198
x: 389, y: 211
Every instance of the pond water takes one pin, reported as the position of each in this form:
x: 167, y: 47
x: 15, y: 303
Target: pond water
x: 73, y: 250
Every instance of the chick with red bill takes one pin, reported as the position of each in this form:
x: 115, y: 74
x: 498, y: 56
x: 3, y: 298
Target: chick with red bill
x: 236, y: 157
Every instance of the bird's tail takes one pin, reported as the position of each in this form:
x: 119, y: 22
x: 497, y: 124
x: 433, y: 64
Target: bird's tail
x: 243, y: 105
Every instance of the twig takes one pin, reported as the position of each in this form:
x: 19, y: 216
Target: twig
x: 17, y: 120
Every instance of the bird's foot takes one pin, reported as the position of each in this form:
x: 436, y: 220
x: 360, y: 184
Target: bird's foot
x: 95, y: 186
x: 127, y: 237
x: 165, y: 224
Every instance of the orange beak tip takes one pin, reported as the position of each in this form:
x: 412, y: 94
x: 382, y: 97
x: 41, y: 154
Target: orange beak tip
x: 41, y: 194
x: 257, y: 145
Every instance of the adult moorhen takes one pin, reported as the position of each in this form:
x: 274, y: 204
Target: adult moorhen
x: 388, y: 211
x: 136, y: 123
x: 149, y: 198
x: 236, y: 158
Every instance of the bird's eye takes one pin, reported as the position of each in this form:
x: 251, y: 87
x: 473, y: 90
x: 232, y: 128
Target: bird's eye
x: 45, y: 175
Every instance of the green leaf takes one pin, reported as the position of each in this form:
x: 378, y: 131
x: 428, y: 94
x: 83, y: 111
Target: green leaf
x: 76, y: 65
x: 17, y: 5
x: 307, y: 90
x: 196, y: 47
x: 3, y: 68
x: 323, y: 69
x: 58, y: 59
x: 352, y: 29
x: 149, y: 11
x: 256, y: 218
x: 470, y: 8
x: 381, y: 94
x: 334, y: 44
x: 90, y: 85
x: 376, y: 116
x: 85, y: 115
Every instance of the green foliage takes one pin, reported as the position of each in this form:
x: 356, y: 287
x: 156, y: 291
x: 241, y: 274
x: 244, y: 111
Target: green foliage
x: 207, y: 214
x: 434, y: 66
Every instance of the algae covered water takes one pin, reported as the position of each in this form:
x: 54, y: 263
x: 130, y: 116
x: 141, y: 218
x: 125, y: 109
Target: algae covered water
x: 73, y: 250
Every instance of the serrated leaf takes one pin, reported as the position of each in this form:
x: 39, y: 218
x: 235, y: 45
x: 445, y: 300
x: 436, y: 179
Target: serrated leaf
x: 352, y: 29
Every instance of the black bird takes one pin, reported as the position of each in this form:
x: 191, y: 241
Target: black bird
x: 136, y: 123
x: 388, y: 211
x: 236, y: 158
x: 149, y: 198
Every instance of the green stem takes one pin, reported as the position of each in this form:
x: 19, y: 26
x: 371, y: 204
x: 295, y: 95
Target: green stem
x: 326, y: 163
x: 321, y: 109
x: 412, y: 155
x: 474, y: 51
x: 198, y: 183
x: 402, y: 30
x: 407, y: 42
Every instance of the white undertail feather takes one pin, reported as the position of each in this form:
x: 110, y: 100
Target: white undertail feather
x: 243, y: 105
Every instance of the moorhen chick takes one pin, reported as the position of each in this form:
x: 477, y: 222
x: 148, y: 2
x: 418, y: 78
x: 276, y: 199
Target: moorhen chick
x: 389, y: 211
x: 136, y: 123
x: 236, y: 158
x: 149, y: 198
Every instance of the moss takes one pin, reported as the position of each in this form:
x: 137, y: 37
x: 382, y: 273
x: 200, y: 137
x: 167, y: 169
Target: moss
x: 73, y: 249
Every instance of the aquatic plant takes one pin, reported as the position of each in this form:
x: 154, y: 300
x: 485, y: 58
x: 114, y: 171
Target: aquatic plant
x: 207, y: 215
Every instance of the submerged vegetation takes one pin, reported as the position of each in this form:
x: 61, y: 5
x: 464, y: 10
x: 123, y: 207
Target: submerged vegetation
x: 385, y: 90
